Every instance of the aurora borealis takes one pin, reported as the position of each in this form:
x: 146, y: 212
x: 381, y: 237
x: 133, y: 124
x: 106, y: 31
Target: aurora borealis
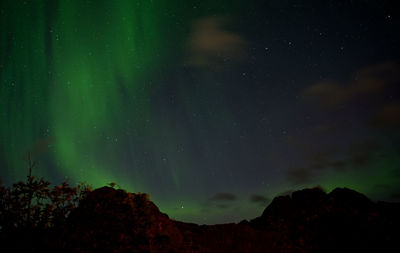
x: 211, y: 107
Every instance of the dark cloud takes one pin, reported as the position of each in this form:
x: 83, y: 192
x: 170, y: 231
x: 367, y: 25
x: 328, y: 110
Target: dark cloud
x: 300, y: 175
x: 367, y: 83
x: 259, y: 199
x: 223, y: 196
x: 210, y: 44
x: 309, y: 140
x: 355, y: 157
x: 388, y: 117
x: 347, y: 136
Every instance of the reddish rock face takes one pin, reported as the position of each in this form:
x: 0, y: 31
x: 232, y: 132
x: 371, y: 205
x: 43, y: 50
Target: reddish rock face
x: 308, y: 221
x: 110, y: 220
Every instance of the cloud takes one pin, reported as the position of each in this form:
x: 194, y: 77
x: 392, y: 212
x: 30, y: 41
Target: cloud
x: 300, y: 175
x: 367, y: 83
x: 367, y: 92
x: 259, y: 199
x: 210, y: 44
x: 388, y: 117
x: 355, y: 157
x: 224, y: 197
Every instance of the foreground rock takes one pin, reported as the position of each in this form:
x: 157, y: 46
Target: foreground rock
x: 110, y: 220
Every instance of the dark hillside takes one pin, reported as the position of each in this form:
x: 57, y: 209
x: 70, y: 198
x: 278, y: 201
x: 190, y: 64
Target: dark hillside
x: 110, y: 220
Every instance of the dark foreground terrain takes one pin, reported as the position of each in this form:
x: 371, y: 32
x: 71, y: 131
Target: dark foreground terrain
x: 310, y: 220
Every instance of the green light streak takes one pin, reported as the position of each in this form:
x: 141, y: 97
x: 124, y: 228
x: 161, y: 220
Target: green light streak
x: 75, y: 70
x: 93, y: 61
x: 23, y: 105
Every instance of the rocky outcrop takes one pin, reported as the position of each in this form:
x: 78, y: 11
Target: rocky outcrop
x: 310, y: 220
x: 341, y: 221
x: 110, y: 220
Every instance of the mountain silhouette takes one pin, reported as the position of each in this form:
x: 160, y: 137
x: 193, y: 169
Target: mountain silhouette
x: 310, y: 220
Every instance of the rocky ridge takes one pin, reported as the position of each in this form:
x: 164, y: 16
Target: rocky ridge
x: 310, y: 220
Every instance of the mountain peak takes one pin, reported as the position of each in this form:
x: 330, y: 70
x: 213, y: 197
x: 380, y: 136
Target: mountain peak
x: 310, y: 220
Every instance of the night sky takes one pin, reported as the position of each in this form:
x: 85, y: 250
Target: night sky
x: 211, y: 107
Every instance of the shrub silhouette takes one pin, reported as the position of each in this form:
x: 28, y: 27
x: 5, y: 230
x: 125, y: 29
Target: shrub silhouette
x: 35, y: 204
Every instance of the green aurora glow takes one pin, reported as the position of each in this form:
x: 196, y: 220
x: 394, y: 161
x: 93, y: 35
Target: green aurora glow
x: 76, y: 69
x: 77, y: 88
